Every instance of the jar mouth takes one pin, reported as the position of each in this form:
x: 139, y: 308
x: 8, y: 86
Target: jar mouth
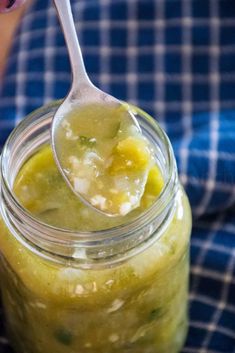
x: 34, y: 130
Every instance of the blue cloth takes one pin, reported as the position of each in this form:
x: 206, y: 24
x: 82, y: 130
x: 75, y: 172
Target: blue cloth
x: 176, y: 60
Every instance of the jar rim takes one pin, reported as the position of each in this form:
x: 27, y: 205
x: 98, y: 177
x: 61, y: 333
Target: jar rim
x: 62, y: 235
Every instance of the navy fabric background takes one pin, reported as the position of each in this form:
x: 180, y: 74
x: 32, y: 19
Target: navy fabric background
x: 176, y: 60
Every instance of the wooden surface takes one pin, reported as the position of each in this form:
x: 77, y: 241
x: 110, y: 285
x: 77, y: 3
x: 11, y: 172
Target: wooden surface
x: 8, y: 25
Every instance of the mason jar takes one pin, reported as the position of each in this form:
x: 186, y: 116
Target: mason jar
x: 117, y: 290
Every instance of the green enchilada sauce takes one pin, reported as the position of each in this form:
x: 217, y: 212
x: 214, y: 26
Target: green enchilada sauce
x: 139, y: 306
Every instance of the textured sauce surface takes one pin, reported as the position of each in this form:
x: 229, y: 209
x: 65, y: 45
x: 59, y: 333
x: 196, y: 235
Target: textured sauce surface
x: 41, y: 189
x: 105, y: 156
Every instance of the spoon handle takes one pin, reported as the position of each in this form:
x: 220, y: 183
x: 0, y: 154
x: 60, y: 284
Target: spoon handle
x: 64, y: 11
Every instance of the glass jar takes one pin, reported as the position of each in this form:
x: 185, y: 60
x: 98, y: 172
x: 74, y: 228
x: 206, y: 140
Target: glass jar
x: 120, y: 290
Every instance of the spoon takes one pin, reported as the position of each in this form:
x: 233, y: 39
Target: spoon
x: 86, y: 116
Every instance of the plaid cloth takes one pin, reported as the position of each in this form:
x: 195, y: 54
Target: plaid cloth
x: 176, y: 60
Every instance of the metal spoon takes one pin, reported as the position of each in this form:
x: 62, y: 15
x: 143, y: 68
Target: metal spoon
x: 82, y: 93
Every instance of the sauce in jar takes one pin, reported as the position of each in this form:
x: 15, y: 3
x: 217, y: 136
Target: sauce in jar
x: 76, y: 281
